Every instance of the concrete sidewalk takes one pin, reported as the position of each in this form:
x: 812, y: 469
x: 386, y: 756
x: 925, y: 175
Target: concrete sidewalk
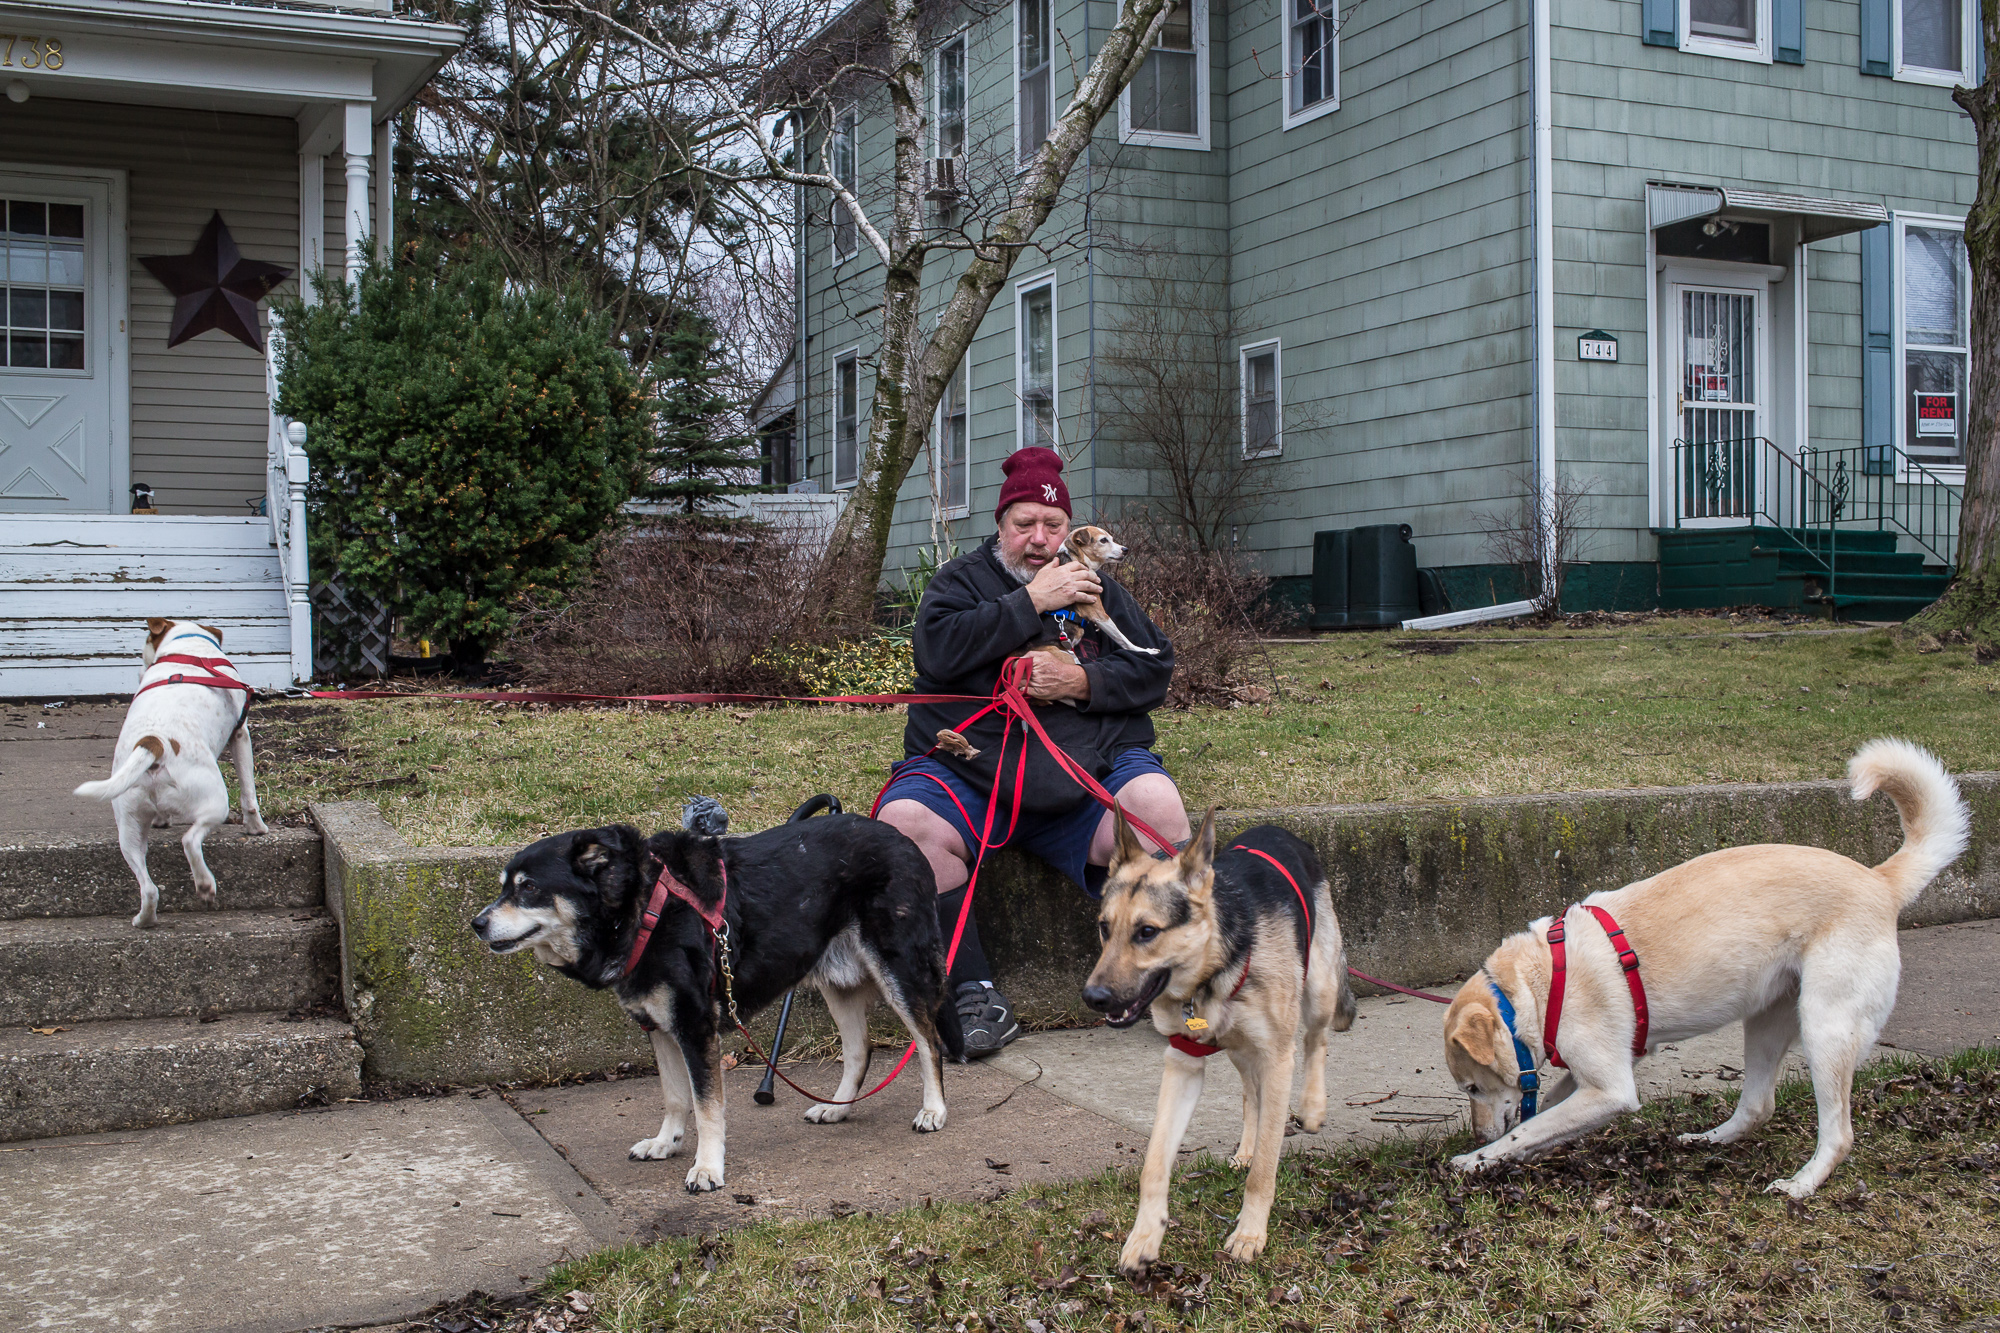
x: 371, y: 1212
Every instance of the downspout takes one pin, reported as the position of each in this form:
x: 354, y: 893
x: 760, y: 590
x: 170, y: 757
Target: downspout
x: 802, y: 408
x: 1090, y: 277
x: 1544, y: 290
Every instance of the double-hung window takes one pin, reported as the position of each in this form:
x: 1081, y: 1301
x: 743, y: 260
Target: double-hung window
x: 948, y: 115
x: 1934, y: 352
x: 1035, y: 361
x: 954, y: 473
x: 1934, y: 40
x: 1738, y: 29
x: 1166, y: 103
x: 847, y: 417
x: 843, y: 149
x: 1263, y: 408
x: 1312, y: 60
x: 1034, y: 76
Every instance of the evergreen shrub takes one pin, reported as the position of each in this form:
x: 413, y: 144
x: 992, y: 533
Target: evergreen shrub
x: 470, y: 439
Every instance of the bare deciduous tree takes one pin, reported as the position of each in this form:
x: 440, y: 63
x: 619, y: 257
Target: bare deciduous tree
x: 1545, y: 532
x: 804, y: 56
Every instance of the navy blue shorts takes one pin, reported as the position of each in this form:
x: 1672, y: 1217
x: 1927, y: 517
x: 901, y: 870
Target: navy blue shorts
x: 1061, y: 840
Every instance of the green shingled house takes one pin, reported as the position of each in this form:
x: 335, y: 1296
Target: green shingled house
x: 1698, y: 260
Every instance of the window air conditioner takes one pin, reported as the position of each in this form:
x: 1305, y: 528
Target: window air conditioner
x: 941, y: 180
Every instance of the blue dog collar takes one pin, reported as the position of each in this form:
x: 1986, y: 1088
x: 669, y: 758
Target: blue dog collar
x: 195, y: 634
x: 1531, y: 1081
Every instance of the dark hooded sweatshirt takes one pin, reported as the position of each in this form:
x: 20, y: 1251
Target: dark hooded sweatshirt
x: 975, y: 615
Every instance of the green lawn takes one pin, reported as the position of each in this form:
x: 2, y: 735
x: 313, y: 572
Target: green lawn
x: 1372, y: 717
x: 1625, y: 1231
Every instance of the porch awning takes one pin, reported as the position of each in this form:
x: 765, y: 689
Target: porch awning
x: 1819, y: 217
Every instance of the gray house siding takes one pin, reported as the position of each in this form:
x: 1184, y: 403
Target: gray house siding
x: 1388, y: 247
x: 199, y: 411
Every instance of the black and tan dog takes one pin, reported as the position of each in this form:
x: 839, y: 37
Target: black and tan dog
x: 843, y: 902
x: 1237, y: 952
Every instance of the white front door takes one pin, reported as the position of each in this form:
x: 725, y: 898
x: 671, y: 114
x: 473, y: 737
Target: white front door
x: 56, y: 372
x: 1719, y: 400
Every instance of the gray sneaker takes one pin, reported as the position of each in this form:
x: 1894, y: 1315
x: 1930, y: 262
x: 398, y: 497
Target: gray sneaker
x: 986, y: 1017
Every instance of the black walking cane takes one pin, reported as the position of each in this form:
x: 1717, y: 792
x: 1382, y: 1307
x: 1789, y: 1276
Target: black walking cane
x: 766, y: 1092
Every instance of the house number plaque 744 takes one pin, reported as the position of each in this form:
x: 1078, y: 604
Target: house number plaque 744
x: 30, y: 52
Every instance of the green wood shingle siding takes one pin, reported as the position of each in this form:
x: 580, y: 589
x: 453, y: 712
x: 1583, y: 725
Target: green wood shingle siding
x: 1387, y: 245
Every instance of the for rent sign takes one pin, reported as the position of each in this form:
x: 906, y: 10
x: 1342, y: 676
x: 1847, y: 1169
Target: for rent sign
x: 1937, y: 413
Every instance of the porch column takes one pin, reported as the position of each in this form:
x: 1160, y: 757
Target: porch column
x: 312, y: 223
x: 360, y: 142
x: 385, y: 188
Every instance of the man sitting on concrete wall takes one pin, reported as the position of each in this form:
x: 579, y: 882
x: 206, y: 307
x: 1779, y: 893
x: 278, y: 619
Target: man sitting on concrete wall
x: 979, y: 610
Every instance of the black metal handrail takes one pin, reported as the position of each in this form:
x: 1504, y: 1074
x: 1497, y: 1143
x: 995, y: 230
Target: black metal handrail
x: 1813, y: 495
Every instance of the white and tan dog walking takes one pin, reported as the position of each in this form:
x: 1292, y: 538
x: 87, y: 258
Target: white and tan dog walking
x: 168, y: 752
x: 1799, y: 943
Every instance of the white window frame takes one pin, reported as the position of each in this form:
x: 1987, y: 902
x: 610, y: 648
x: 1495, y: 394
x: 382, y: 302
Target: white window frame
x: 1024, y: 152
x: 1199, y: 140
x: 1023, y: 289
x: 1968, y: 33
x: 950, y: 507
x: 853, y: 112
x: 1758, y: 51
x: 962, y: 40
x: 851, y: 356
x: 1953, y: 473
x: 1243, y: 355
x: 1326, y: 105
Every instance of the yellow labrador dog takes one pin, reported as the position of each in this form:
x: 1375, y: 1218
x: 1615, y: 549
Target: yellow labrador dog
x: 1797, y: 942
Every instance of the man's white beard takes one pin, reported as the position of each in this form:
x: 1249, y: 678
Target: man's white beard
x: 1019, y: 571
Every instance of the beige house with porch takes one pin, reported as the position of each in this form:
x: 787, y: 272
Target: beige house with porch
x: 126, y: 127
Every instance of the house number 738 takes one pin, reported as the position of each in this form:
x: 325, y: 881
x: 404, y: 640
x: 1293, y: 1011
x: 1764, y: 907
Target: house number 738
x: 34, y: 52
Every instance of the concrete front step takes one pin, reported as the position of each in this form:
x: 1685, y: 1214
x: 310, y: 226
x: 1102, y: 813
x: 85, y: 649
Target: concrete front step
x: 130, y: 1075
x: 47, y: 875
x: 71, y: 970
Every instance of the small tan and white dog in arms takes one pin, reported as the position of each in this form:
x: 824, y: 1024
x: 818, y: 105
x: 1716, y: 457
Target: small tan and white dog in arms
x: 168, y: 751
x: 1797, y: 942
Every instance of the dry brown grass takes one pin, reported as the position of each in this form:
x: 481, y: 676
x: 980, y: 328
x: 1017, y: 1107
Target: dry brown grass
x: 1662, y: 703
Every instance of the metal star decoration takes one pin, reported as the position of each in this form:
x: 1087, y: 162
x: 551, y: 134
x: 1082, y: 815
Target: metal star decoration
x: 215, y: 287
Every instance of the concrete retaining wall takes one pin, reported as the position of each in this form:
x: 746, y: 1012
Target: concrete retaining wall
x: 1423, y: 891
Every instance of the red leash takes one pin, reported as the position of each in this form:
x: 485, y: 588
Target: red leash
x: 1627, y: 959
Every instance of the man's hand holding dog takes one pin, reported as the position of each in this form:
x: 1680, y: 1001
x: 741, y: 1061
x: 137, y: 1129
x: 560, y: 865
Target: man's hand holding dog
x: 1056, y: 680
x: 1058, y: 585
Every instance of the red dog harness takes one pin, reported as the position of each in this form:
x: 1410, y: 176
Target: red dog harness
x: 1201, y: 1050
x: 209, y: 664
x: 1627, y: 960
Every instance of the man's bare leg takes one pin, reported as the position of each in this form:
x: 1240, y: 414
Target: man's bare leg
x: 951, y: 860
x: 1154, y: 798
x: 984, y: 1015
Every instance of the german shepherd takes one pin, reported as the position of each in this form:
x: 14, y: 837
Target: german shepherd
x: 1223, y: 951
x: 1798, y: 942
x: 843, y: 902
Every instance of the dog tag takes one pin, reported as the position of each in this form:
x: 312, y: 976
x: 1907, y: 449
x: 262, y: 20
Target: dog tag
x: 1197, y: 1024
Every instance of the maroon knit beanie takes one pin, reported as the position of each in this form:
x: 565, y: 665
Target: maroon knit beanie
x: 1033, y: 474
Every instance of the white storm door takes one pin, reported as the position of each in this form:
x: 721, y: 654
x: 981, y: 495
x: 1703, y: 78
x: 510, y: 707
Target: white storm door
x: 1718, y: 421
x: 56, y: 372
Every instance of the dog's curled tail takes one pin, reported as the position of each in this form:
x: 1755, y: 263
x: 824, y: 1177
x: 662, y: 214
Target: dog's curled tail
x: 1936, y: 824
x: 146, y: 752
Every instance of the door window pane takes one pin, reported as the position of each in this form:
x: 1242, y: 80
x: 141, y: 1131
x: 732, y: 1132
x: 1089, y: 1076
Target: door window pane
x: 1932, y: 37
x: 1732, y: 20
x: 42, y: 265
x: 1038, y: 363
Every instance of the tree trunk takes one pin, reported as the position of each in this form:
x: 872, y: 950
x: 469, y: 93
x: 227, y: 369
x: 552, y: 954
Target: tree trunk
x: 1971, y: 605
x: 909, y: 378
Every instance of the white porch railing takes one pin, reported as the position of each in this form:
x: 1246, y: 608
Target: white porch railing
x: 287, y: 471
